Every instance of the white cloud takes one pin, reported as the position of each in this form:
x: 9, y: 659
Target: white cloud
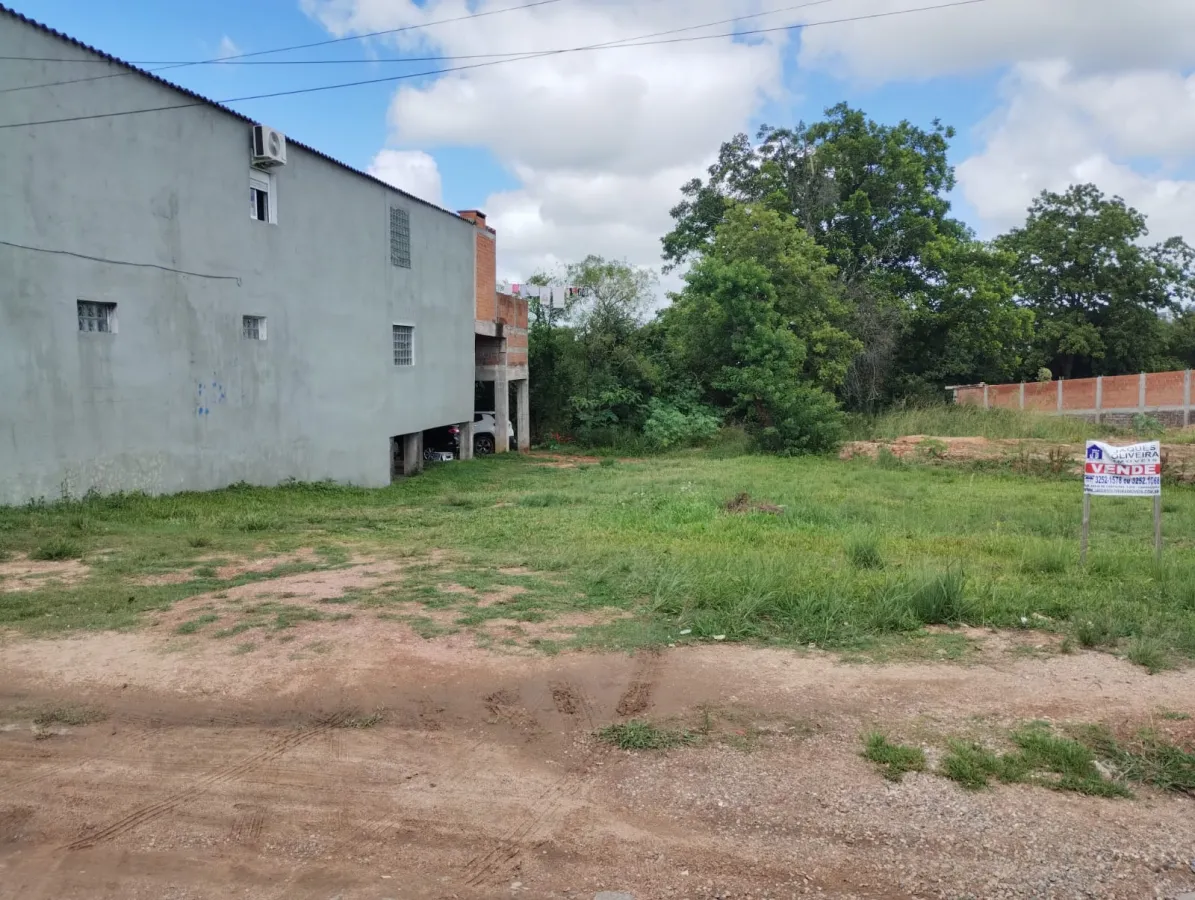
x: 412, y: 171
x: 1056, y: 128
x: 599, y: 141
x: 1104, y: 35
x: 228, y: 47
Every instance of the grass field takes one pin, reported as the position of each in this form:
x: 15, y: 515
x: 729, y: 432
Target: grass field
x: 947, y: 420
x: 850, y: 555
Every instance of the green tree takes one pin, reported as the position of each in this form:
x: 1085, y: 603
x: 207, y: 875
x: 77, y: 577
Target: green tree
x: 964, y: 326
x: 872, y: 195
x: 743, y: 327
x: 1097, y: 291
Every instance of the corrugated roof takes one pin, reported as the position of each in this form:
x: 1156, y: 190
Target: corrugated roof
x: 74, y: 42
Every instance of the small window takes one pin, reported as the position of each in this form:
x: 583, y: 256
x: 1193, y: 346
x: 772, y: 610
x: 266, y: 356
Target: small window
x: 404, y: 345
x: 253, y: 328
x: 400, y: 237
x: 263, y: 206
x: 97, y: 316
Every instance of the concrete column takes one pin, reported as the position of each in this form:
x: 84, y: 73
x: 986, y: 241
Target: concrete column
x: 501, y: 403
x: 523, y: 411
x: 1141, y: 393
x: 985, y: 396
x: 1022, y: 395
x: 412, y: 453
x: 1187, y: 398
x: 466, y: 437
x: 1060, y: 395
x: 1099, y: 398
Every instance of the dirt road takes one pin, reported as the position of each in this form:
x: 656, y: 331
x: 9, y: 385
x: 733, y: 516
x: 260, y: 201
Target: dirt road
x: 375, y: 764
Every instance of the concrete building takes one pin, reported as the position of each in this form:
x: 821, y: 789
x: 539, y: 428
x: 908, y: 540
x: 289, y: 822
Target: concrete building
x: 156, y: 337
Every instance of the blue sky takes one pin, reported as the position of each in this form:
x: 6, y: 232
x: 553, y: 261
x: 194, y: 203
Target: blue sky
x: 1038, y: 94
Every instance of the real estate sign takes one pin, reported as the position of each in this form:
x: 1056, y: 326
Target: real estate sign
x: 1134, y: 470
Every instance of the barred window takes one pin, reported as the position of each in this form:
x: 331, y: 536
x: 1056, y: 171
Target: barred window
x: 400, y: 237
x: 253, y: 328
x: 97, y: 316
x: 404, y: 345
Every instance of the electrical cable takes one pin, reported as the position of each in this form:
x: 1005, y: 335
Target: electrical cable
x: 341, y: 40
x: 235, y: 61
x: 538, y: 55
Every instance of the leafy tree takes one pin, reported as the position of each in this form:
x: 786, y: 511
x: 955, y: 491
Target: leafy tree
x: 873, y: 195
x: 742, y: 328
x: 1097, y: 291
x: 964, y: 326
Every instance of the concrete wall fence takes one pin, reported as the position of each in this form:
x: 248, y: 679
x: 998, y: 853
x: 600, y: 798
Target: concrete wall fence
x: 1111, y: 399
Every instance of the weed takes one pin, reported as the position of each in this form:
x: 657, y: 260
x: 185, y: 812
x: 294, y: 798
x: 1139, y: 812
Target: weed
x: 886, y: 459
x: 894, y: 760
x: 241, y: 649
x: 68, y: 714
x: 639, y: 735
x: 863, y: 551
x: 1149, y: 652
x: 607, y: 462
x: 56, y: 549
x: 940, y: 599
x: 198, y: 541
x: 1070, y: 760
x: 932, y: 448
x: 364, y: 720
x: 1172, y: 715
x: 195, y: 624
x: 238, y: 628
x: 204, y: 572
x: 973, y: 765
x: 1145, y: 758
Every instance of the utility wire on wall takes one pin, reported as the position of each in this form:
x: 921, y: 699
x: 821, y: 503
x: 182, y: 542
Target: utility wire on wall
x: 538, y: 55
x: 121, y: 262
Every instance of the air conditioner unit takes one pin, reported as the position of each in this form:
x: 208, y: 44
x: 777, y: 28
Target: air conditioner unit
x: 269, y: 147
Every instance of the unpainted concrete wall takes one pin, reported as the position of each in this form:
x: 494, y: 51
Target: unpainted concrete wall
x: 176, y: 399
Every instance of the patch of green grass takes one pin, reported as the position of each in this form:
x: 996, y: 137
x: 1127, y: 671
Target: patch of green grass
x: 894, y: 760
x: 651, y: 539
x: 68, y: 714
x: 640, y: 735
x: 1150, y: 653
x: 363, y: 720
x: 1173, y: 715
x: 1070, y: 760
x: 863, y: 551
x: 1146, y: 758
x: 242, y: 649
x: 56, y: 549
x: 238, y: 628
x: 198, y: 541
x: 973, y: 765
x: 197, y: 623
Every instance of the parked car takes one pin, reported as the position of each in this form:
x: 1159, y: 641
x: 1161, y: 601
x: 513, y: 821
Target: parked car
x: 485, y: 425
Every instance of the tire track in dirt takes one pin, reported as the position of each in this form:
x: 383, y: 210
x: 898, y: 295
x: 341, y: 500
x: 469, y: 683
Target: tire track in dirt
x: 151, y: 811
x: 546, y: 811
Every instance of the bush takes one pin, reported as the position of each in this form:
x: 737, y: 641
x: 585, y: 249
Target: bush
x: 805, y: 419
x: 670, y: 426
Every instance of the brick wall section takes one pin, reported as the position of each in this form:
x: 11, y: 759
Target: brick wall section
x: 485, y: 271
x: 512, y: 313
x: 1078, y: 394
x: 1118, y: 392
x: 1121, y: 391
x: 1042, y: 397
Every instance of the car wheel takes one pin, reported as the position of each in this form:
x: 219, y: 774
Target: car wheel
x: 483, y: 445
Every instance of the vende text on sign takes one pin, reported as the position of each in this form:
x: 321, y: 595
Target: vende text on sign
x: 1134, y: 470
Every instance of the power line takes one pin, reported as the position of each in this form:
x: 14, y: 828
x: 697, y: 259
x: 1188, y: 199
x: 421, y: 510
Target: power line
x: 235, y: 61
x: 481, y: 65
x: 341, y: 40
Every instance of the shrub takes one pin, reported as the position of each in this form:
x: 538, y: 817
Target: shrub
x: 669, y: 426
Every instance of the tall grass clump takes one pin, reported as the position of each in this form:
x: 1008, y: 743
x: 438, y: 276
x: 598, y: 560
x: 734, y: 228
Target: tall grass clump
x: 863, y: 551
x: 940, y: 598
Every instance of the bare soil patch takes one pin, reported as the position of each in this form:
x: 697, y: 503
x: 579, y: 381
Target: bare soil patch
x: 390, y: 765
x: 24, y: 574
x: 265, y: 563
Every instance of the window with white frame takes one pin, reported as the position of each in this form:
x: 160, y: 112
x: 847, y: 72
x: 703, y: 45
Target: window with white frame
x: 97, y: 317
x: 253, y: 328
x: 404, y: 345
x: 400, y: 237
x: 263, y: 204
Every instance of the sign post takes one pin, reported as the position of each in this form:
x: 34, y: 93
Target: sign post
x: 1134, y: 470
